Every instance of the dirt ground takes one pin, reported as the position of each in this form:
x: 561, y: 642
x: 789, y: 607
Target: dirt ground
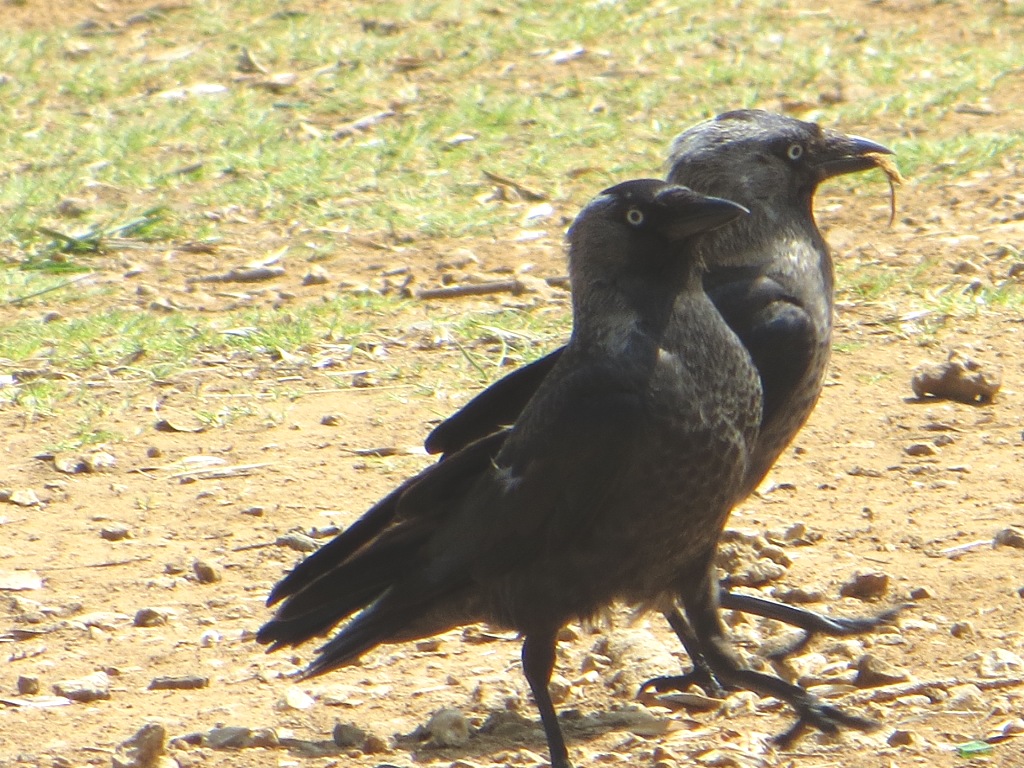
x: 883, y: 482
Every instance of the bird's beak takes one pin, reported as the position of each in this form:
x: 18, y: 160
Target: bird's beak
x: 691, y: 212
x: 848, y: 154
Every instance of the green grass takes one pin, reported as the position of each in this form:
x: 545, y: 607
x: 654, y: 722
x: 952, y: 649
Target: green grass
x: 94, y: 117
x: 99, y: 121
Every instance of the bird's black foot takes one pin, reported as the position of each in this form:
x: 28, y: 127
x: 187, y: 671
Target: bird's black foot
x: 701, y: 678
x: 811, y: 711
x: 824, y: 717
x: 812, y: 623
x: 834, y: 627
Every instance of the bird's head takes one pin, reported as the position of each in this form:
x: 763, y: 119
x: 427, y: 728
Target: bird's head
x: 766, y: 161
x: 641, y: 227
x: 631, y: 253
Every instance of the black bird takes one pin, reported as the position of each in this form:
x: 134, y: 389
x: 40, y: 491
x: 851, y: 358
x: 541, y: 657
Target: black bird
x: 769, y: 274
x: 578, y: 508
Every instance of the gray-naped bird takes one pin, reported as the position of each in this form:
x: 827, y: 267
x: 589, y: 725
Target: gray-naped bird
x: 770, y: 276
x: 578, y: 508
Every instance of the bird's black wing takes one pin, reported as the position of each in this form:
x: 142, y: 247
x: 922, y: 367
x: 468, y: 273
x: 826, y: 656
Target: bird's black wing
x: 495, y: 407
x: 777, y: 332
x: 469, y: 514
x: 561, y: 463
x: 428, y: 490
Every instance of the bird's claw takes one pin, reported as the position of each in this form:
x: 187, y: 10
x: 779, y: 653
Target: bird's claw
x: 824, y: 717
x: 835, y: 627
x: 700, y: 678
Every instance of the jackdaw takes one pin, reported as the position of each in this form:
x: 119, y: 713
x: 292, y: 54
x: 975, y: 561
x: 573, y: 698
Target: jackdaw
x: 771, y: 278
x: 579, y: 507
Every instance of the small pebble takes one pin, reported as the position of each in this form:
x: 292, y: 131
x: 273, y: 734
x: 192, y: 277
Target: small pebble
x: 798, y: 595
x: 94, y: 687
x: 348, y: 735
x: 300, y: 542
x: 296, y: 698
x: 150, y: 617
x: 900, y: 739
x: 23, y: 498
x: 920, y: 593
x: 375, y: 745
x: 206, y: 573
x: 28, y: 685
x: 962, y: 629
x: 181, y: 683
x: 920, y: 449
x: 69, y: 465
x: 115, y: 532
x: 559, y: 687
x: 568, y: 634
x: 865, y: 586
x: 99, y: 461
x: 210, y: 638
x: 143, y: 750
x: 958, y: 378
x: 316, y: 275
x: 873, y: 672
x: 1000, y: 663
x: 447, y: 728
x: 1009, y: 537
x: 228, y: 737
x: 966, y: 697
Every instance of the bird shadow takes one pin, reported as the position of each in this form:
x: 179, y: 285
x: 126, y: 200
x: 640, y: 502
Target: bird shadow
x: 507, y: 729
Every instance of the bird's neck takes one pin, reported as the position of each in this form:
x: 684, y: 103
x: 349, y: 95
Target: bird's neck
x: 615, y: 316
x: 790, y: 250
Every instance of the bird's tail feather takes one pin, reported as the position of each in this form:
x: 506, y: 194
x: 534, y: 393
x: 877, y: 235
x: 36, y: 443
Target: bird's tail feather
x: 432, y: 489
x: 382, y: 622
x: 343, y: 590
x: 340, y: 548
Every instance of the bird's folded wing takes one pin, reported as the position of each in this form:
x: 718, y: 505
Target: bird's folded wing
x: 773, y: 326
x: 495, y: 407
x: 571, y: 455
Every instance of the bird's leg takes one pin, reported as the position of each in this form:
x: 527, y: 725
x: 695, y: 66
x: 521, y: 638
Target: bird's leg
x: 538, y: 662
x: 700, y: 675
x: 701, y: 606
x: 809, y: 621
x: 812, y: 623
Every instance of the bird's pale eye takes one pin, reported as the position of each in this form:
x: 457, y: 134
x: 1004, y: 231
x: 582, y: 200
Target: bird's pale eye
x: 635, y: 216
x: 795, y: 151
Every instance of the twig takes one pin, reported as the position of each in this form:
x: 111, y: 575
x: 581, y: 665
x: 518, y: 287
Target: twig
x: 479, y: 289
x: 471, y: 361
x: 213, y: 473
x: 65, y: 284
x: 890, y: 692
x: 108, y: 564
x: 524, y: 192
x: 258, y: 545
x: 960, y: 548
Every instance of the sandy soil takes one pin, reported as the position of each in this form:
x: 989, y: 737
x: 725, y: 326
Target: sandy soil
x: 912, y: 489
